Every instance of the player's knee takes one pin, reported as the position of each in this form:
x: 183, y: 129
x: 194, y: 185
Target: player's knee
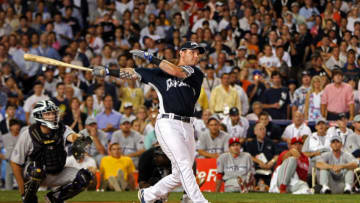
x: 35, y: 173
x: 83, y: 178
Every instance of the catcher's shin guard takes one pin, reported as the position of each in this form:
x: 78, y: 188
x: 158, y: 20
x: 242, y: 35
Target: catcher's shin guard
x: 35, y: 175
x: 79, y: 184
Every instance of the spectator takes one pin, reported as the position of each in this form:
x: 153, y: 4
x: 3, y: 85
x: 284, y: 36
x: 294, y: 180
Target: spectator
x: 351, y: 69
x: 353, y: 141
x: 257, y: 109
x: 74, y: 118
x: 200, y: 125
x: 9, y: 140
x: 269, y: 61
x: 235, y: 168
x: 210, y: 81
x: 98, y: 97
x: 276, y: 99
x: 109, y: 119
x: 242, y: 95
x: 33, y: 99
x: 131, y: 142
x: 117, y: 169
x: 63, y: 31
x: 334, y: 60
x: 340, y: 129
x: 59, y: 98
x: 256, y: 90
x: 131, y: 94
x: 263, y: 153
x: 297, y: 129
x: 50, y: 81
x: 312, y: 109
x: 308, y: 11
x: 337, y: 98
x: 291, y: 170
x: 317, y: 143
x: 9, y: 115
x: 336, y: 169
x: 141, y: 116
x: 12, y: 99
x: 213, y: 142
x: 99, y: 138
x: 301, y: 92
x: 128, y: 111
x: 237, y: 125
x: 224, y: 96
x: 273, y: 131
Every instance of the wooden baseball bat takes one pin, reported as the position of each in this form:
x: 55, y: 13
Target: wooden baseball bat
x: 53, y: 62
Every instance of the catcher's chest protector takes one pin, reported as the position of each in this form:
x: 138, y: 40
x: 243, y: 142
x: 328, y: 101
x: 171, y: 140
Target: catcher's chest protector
x: 49, y: 151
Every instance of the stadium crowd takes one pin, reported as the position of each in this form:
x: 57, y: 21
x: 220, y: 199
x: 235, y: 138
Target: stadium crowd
x: 281, y: 84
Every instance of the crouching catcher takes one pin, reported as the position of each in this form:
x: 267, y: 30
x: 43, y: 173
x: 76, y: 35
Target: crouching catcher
x: 39, y: 157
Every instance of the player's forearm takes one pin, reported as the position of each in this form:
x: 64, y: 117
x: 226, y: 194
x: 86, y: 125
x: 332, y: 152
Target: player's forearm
x: 17, y: 170
x: 136, y: 154
x: 351, y: 111
x: 350, y: 166
x: 99, y: 147
x: 323, y: 165
x: 312, y: 154
x: 323, y: 110
x: 207, y: 154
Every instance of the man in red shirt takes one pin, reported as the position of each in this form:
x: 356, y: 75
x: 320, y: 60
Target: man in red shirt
x: 290, y: 161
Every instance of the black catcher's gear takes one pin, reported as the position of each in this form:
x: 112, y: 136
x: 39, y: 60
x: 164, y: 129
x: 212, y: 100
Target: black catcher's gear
x: 79, y: 147
x: 35, y: 174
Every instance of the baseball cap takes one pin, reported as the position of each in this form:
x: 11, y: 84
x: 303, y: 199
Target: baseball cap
x: 209, y: 66
x: 124, y: 120
x: 296, y: 140
x: 320, y: 120
x: 305, y: 72
x: 90, y: 120
x: 294, y: 4
x: 192, y: 46
x: 219, y: 3
x: 234, y: 111
x: 335, y: 137
x: 127, y: 105
x: 341, y: 116
x: 234, y: 140
x: 242, y: 47
x: 357, y: 118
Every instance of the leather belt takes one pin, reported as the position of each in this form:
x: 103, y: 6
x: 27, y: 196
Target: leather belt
x: 176, y: 117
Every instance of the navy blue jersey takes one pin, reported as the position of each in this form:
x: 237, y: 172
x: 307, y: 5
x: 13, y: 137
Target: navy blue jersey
x: 176, y: 95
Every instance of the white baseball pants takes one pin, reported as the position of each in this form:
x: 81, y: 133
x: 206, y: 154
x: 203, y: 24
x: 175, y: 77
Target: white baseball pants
x: 176, y: 139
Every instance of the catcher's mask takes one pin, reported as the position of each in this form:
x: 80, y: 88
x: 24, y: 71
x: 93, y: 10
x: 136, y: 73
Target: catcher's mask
x: 41, y: 114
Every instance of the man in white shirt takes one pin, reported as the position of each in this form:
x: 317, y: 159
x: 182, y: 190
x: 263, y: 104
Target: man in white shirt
x: 297, y: 129
x: 33, y: 99
x: 269, y: 61
x: 237, y: 126
x: 340, y: 129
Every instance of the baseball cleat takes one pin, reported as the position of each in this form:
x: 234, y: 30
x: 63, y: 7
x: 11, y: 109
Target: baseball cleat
x: 347, y: 192
x: 141, y: 196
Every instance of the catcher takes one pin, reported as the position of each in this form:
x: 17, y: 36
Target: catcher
x: 39, y: 158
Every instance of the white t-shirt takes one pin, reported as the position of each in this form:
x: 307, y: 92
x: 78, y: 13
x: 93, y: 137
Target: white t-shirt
x: 32, y: 100
x: 291, y: 131
x: 87, y: 163
x: 269, y: 61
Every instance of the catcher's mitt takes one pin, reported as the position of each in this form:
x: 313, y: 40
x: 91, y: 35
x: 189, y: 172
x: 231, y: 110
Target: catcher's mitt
x: 78, y: 148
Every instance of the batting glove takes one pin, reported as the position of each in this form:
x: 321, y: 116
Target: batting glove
x: 146, y: 55
x: 100, y: 71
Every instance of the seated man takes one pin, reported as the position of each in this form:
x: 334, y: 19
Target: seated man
x: 213, y: 142
x: 291, y: 170
x: 237, y: 125
x: 340, y: 129
x: 336, y: 169
x: 298, y: 128
x: 273, y: 131
x: 352, y: 145
x: 235, y: 168
x: 263, y: 152
x: 117, y: 170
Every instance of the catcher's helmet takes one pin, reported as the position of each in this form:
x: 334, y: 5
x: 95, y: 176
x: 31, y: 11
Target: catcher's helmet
x: 45, y: 106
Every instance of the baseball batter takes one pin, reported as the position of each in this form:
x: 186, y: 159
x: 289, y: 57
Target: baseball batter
x: 178, y: 88
x: 39, y: 158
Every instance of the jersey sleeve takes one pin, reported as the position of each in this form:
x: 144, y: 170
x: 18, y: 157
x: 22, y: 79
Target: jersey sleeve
x: 68, y: 131
x: 147, y: 75
x: 21, y: 148
x: 220, y: 164
x: 306, y: 147
x: 349, y: 158
x: 202, y: 142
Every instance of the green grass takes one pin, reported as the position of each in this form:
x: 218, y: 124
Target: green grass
x: 12, y: 196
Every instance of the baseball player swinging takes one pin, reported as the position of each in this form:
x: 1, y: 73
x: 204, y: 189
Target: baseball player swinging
x: 178, y: 88
x: 39, y: 158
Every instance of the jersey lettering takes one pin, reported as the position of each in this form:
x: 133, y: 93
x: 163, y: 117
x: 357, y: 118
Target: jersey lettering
x: 175, y: 83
